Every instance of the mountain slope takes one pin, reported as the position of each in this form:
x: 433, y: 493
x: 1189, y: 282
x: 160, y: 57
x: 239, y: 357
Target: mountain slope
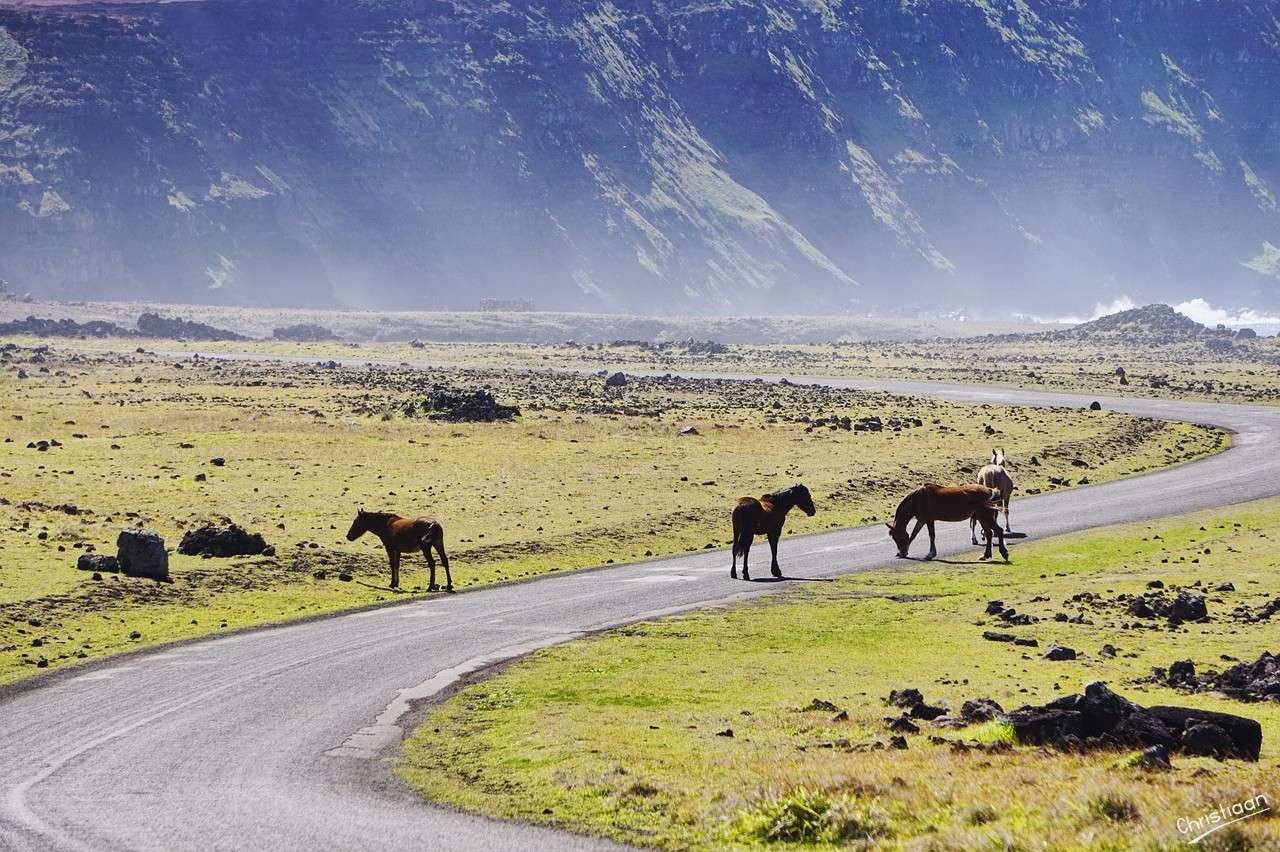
x: 697, y: 156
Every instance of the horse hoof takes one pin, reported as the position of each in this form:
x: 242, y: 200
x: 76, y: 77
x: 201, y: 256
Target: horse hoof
x: 433, y: 588
x: 733, y: 574
x: 777, y: 572
x: 449, y: 589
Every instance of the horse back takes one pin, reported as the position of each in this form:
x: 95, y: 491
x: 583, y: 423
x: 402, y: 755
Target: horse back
x: 956, y: 502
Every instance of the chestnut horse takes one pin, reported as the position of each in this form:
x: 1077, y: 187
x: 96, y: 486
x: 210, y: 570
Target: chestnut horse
x: 993, y: 475
x: 752, y: 517
x: 931, y: 502
x: 405, y: 535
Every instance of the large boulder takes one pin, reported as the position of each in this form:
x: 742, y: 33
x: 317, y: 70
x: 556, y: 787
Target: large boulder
x: 230, y: 540
x: 141, y: 553
x: 1101, y: 719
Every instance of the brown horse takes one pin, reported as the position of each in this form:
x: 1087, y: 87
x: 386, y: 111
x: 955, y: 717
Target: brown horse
x: 405, y: 535
x: 993, y: 475
x: 752, y: 517
x: 930, y: 503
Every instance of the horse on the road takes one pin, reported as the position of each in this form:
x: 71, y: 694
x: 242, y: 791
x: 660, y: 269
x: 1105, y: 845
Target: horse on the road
x: 405, y: 535
x: 993, y: 475
x: 765, y: 516
x: 931, y: 502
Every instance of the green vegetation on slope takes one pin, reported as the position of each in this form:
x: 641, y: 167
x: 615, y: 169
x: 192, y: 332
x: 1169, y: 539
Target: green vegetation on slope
x: 623, y: 734
x: 586, y: 475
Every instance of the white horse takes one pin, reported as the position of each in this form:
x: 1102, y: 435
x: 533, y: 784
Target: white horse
x: 994, y: 476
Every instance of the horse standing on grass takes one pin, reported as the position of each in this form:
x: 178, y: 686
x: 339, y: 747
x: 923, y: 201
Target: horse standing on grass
x: 993, y: 475
x: 405, y: 535
x: 752, y: 517
x: 930, y: 503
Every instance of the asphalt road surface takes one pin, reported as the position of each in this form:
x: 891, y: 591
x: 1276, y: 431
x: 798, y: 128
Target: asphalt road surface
x: 280, y: 738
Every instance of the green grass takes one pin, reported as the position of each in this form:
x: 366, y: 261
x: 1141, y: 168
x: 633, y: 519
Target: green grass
x: 618, y: 735
x: 584, y: 477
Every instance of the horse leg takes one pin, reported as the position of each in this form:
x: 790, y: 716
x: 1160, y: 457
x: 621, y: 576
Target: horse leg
x: 1007, y: 527
x: 394, y: 555
x: 987, y: 524
x: 1004, y: 551
x: 737, y: 545
x: 973, y: 529
x: 747, y: 537
x: 444, y: 560
x: 933, y: 545
x: 431, y: 563
x: 773, y: 547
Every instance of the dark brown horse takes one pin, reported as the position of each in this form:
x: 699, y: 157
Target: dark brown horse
x: 752, y: 517
x: 405, y: 535
x: 930, y: 503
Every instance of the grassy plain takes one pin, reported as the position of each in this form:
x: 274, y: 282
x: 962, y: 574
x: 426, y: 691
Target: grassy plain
x: 1249, y: 373
x: 623, y: 735
x: 585, y: 476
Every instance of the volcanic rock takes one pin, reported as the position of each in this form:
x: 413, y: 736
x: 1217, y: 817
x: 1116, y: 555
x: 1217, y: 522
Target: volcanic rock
x: 221, y: 541
x: 141, y: 553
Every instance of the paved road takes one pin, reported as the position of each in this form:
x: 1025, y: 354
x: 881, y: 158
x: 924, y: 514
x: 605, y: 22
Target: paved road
x: 279, y: 738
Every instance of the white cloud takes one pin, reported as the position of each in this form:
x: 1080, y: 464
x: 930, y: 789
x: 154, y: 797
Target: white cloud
x: 1198, y: 309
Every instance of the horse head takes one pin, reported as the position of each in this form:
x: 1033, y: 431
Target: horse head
x: 901, y: 539
x: 359, y: 526
x: 800, y: 497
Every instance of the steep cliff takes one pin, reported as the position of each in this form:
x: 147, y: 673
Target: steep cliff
x: 689, y: 155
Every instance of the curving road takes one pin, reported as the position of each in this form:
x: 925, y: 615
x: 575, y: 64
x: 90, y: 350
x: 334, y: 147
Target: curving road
x: 279, y: 738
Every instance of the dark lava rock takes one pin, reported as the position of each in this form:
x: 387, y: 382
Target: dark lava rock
x: 1255, y: 681
x: 98, y: 562
x: 905, y: 698
x: 154, y: 325
x: 1187, y: 607
x: 141, y: 553
x: 1182, y: 673
x: 304, y: 332
x: 898, y: 742
x: 727, y: 732
x: 927, y: 711
x: 980, y: 710
x: 1139, y: 608
x: 1058, y: 652
x: 38, y: 327
x: 1026, y: 642
x: 460, y: 406
x: 1206, y: 739
x: 230, y: 540
x: 995, y: 607
x: 1101, y: 719
x: 616, y: 380
x: 903, y: 725
x: 993, y: 636
x: 822, y: 704
x: 1245, y: 734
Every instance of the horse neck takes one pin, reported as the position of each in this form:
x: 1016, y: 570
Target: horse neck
x: 782, y: 502
x: 906, y: 510
x: 379, y: 523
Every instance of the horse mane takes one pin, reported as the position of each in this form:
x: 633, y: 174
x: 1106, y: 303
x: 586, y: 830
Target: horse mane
x: 904, y: 512
x: 378, y: 516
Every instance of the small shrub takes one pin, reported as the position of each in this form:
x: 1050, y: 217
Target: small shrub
x: 981, y: 815
x: 810, y: 816
x: 1230, y: 839
x: 1113, y: 807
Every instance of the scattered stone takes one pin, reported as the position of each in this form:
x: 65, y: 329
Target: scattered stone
x: 978, y: 710
x: 305, y: 332
x: 154, y: 325
x: 993, y: 636
x: 821, y: 704
x: 453, y: 405
x: 344, y: 577
x: 141, y: 553
x: 1255, y: 681
x: 1095, y: 406
x: 898, y: 742
x: 616, y: 380
x: 1058, y: 653
x: 98, y: 562
x: 905, y: 698
x: 1108, y: 651
x: 217, y: 461
x: 727, y: 732
x: 1101, y: 719
x: 903, y: 725
x: 221, y: 541
x: 690, y: 430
